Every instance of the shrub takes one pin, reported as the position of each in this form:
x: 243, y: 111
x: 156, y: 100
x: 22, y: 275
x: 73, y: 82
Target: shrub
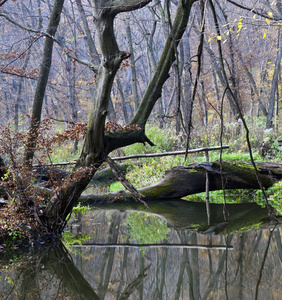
x: 274, y: 195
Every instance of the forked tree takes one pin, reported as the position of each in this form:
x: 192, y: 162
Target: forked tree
x: 97, y: 145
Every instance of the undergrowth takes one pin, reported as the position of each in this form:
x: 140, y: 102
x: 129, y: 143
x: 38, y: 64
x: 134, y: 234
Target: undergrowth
x: 153, y: 169
x: 27, y: 199
x: 28, y: 188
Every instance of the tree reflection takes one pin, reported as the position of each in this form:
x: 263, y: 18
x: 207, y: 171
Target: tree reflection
x: 46, y: 274
x: 51, y: 274
x: 246, y: 271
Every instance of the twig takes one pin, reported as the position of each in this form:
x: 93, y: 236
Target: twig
x: 256, y: 12
x: 225, y: 212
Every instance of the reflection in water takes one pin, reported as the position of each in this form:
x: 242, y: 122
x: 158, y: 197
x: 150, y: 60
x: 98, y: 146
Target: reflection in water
x: 46, y: 274
x: 249, y: 270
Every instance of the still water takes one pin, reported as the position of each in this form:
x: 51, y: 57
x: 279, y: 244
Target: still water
x: 139, y: 255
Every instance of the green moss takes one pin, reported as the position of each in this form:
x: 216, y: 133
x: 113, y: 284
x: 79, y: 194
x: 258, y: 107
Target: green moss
x: 116, y: 187
x: 244, y: 226
x: 70, y: 239
x: 146, y: 228
x: 274, y: 195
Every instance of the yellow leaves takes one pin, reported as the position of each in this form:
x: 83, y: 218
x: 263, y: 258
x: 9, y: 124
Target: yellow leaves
x: 239, y: 25
x: 266, y: 19
x: 6, y: 175
x: 264, y: 35
x: 218, y: 37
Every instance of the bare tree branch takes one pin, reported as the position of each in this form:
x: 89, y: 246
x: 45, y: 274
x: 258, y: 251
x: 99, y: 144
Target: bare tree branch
x: 239, y: 110
x: 255, y: 11
x: 19, y: 25
x: 69, y: 52
x: 118, y: 6
x: 19, y: 75
x: 3, y: 2
x: 131, y: 287
x: 13, y: 60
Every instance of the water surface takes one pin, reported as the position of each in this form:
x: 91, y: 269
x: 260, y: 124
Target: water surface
x: 115, y: 261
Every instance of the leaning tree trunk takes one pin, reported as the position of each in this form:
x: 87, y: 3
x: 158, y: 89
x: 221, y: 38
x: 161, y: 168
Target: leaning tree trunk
x: 183, y: 181
x: 167, y: 58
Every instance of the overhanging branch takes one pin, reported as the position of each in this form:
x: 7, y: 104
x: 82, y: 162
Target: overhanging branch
x: 118, y: 6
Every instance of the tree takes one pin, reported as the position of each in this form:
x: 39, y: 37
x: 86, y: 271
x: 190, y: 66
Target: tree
x: 98, y: 144
x: 43, y: 77
x: 274, y: 85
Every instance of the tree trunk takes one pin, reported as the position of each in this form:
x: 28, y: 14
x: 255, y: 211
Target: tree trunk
x: 19, y: 94
x: 274, y: 84
x: 132, y: 68
x: 183, y: 181
x: 43, y: 77
x: 167, y: 58
x: 123, y: 100
x: 94, y: 149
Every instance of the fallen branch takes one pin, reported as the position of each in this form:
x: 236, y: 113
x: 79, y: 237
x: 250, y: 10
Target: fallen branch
x: 136, y: 194
x: 171, y: 153
x: 205, y: 149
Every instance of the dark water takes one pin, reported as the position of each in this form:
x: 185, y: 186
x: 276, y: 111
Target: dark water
x: 180, y: 263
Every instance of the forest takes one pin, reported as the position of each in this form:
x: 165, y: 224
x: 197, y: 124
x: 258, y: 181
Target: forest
x: 83, y: 82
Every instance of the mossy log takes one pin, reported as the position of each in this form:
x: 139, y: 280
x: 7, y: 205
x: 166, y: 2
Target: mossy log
x: 183, y: 181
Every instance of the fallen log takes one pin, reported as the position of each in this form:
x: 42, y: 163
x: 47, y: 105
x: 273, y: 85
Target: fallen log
x: 183, y: 181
